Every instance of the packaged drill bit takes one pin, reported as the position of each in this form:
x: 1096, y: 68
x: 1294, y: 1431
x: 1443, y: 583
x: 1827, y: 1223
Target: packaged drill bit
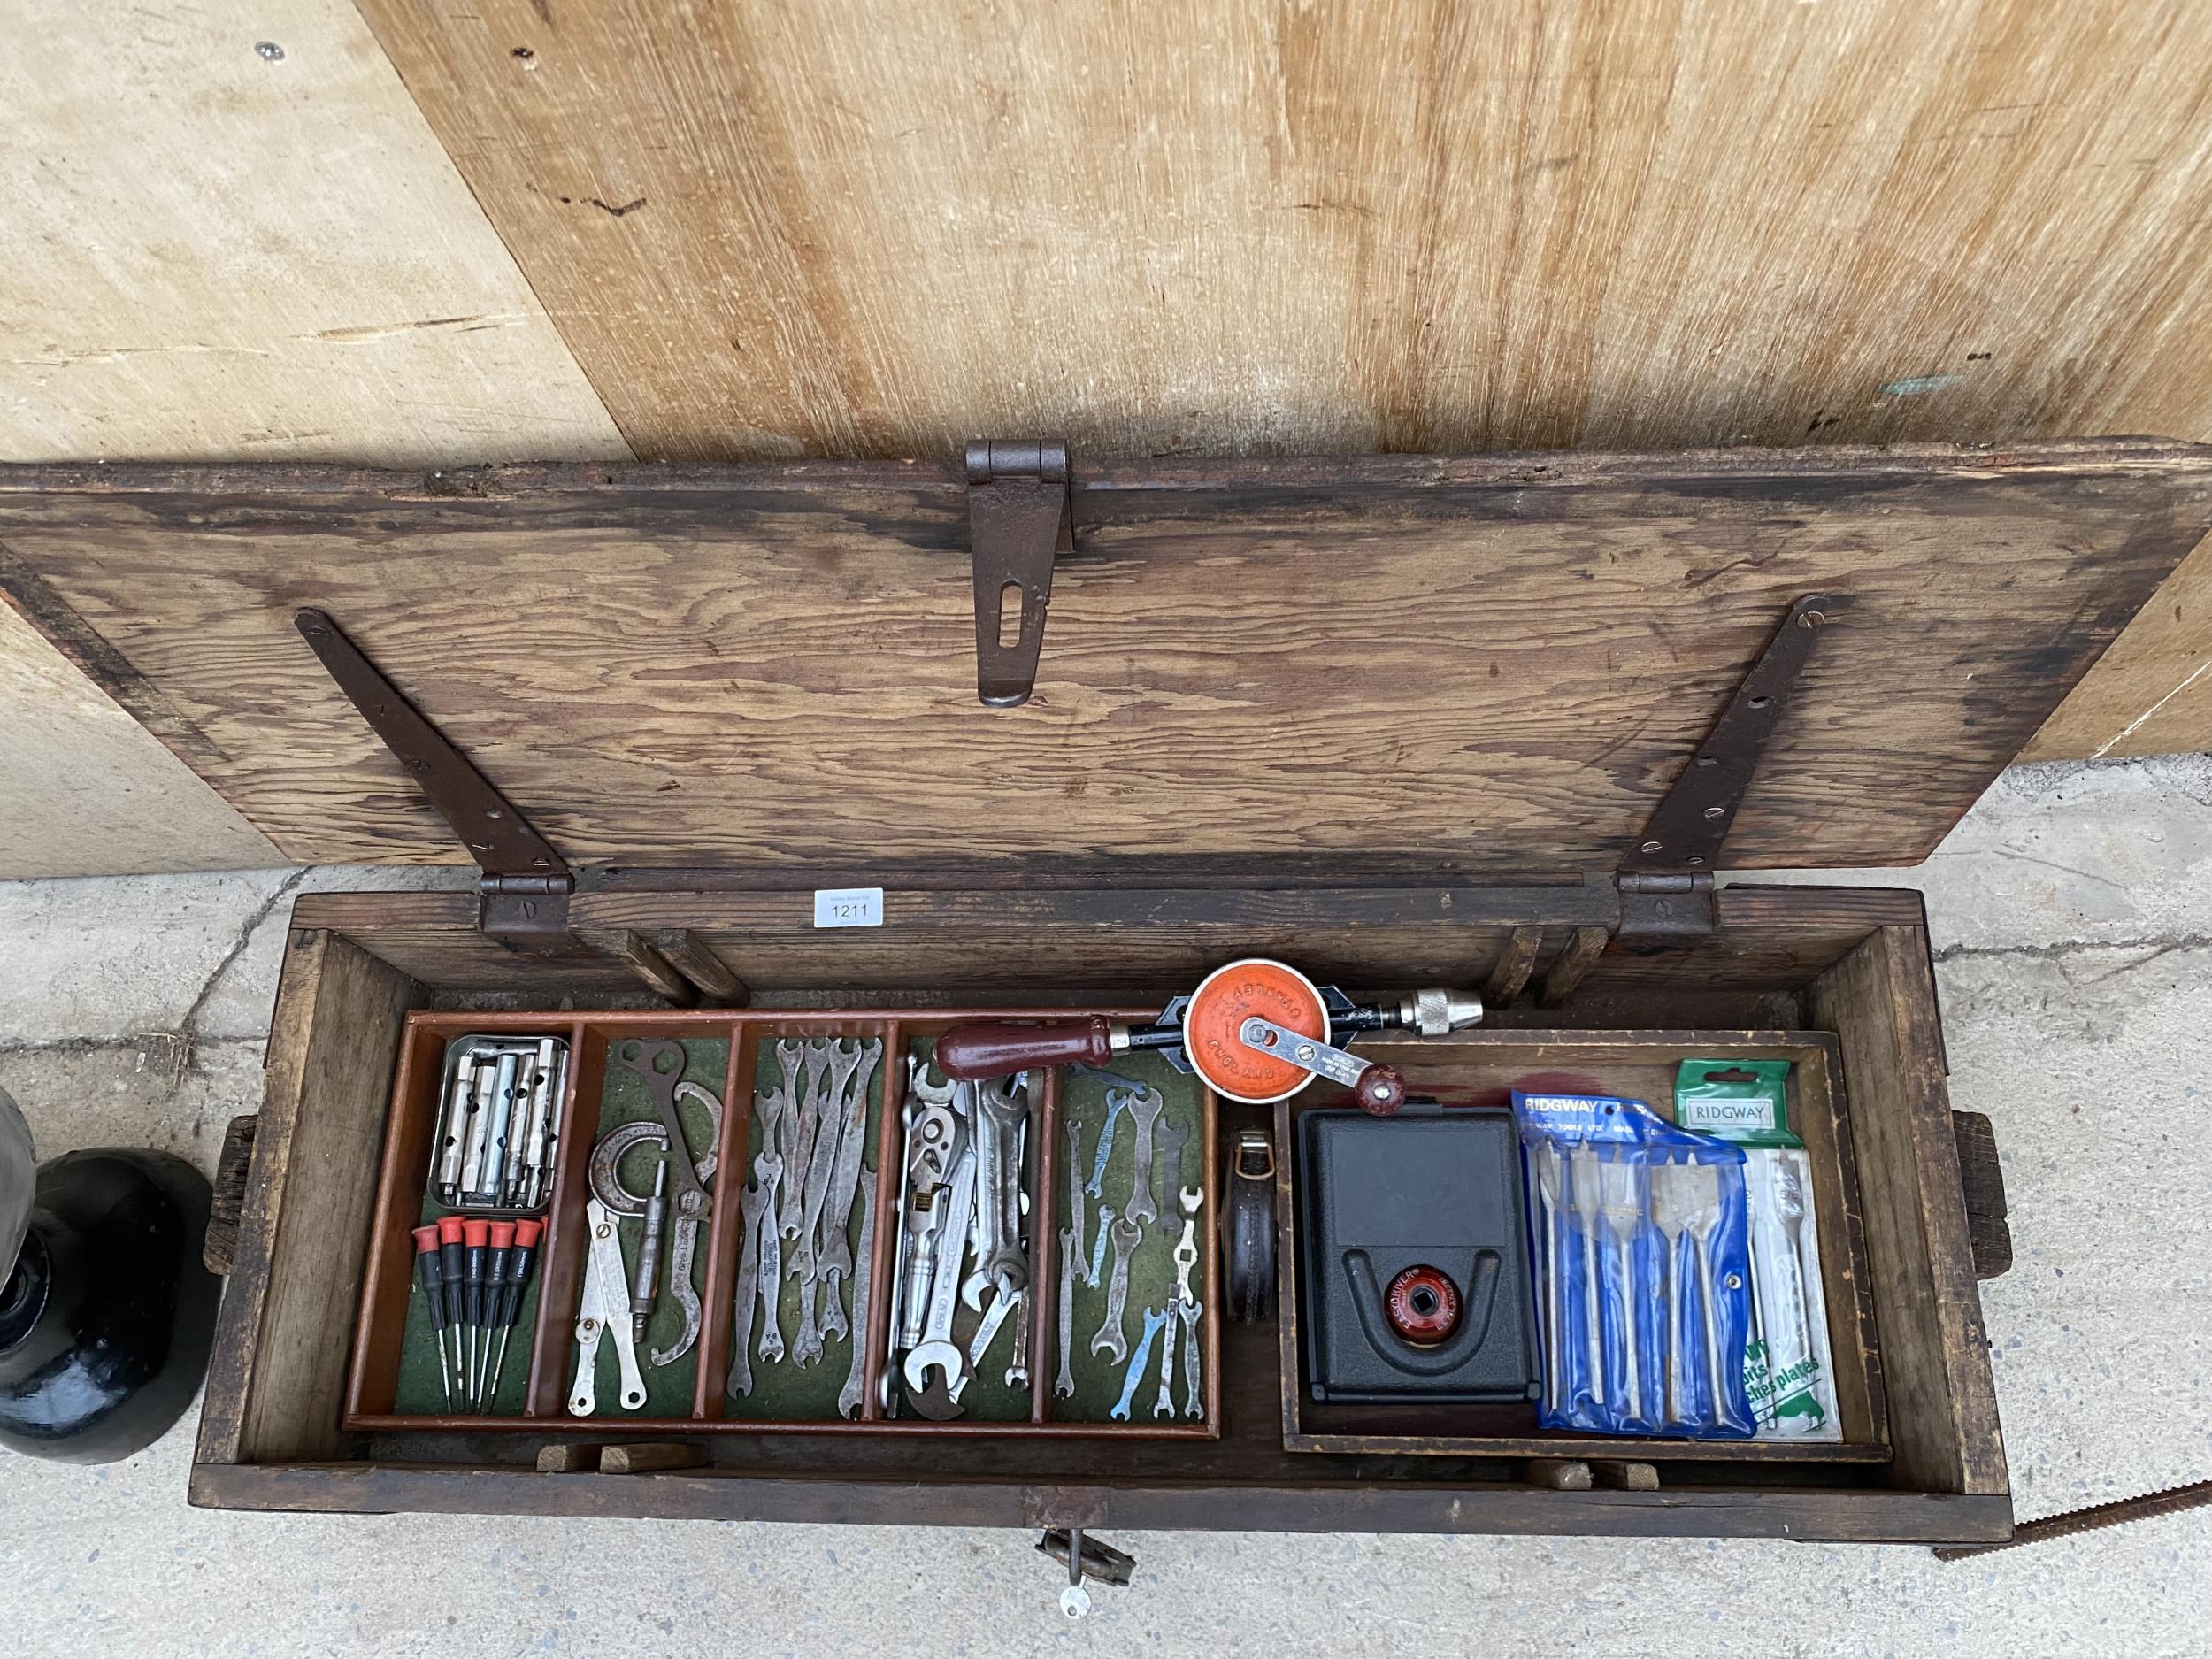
x: 1788, y: 1371
x: 1641, y: 1269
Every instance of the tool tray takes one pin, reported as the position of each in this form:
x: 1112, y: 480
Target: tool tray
x: 392, y: 1383
x: 1489, y: 722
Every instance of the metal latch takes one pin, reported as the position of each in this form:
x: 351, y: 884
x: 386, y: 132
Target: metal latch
x: 1021, y: 518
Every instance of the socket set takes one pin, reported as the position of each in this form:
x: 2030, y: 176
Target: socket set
x: 499, y: 1123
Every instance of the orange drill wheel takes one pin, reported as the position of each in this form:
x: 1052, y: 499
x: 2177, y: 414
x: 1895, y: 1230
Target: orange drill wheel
x: 1234, y: 992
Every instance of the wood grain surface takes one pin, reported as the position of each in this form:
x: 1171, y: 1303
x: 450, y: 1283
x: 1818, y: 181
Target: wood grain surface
x: 1490, y: 667
x: 1238, y: 226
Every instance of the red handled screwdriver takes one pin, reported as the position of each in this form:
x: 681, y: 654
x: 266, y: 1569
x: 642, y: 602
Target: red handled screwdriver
x: 477, y: 1236
x: 517, y: 1280
x: 495, y: 1296
x: 431, y: 1272
x: 452, y: 1260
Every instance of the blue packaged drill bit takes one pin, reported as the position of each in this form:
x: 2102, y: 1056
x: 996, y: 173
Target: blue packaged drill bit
x: 1642, y: 1266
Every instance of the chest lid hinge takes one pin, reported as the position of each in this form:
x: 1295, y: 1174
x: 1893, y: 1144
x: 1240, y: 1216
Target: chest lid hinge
x: 1021, y: 518
x: 526, y: 883
x: 1666, y: 881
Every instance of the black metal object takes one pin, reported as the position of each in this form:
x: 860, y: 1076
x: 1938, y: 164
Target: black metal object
x: 1021, y: 518
x: 108, y: 1314
x: 1683, y: 834
x: 1101, y: 1561
x: 1248, y: 1229
x: 526, y: 883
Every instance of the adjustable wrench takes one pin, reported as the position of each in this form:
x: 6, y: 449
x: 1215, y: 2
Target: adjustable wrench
x: 937, y: 1351
x: 1112, y: 1337
x: 1154, y: 1320
x: 849, y: 1396
x: 1064, y: 1385
x: 1147, y: 1108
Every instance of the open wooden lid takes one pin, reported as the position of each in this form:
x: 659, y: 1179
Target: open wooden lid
x: 1254, y: 672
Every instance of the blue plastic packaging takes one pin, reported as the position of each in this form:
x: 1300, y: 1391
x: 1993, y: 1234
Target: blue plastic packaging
x: 1641, y: 1268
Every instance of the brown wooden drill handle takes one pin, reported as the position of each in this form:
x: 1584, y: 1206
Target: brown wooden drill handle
x: 999, y: 1047
x: 1380, y: 1090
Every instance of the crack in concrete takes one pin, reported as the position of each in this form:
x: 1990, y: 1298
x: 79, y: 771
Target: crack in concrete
x: 143, y: 1042
x: 2077, y: 947
x: 189, y: 1027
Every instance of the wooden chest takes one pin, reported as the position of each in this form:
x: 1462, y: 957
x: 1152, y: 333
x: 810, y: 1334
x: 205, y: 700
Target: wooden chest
x: 1492, y: 722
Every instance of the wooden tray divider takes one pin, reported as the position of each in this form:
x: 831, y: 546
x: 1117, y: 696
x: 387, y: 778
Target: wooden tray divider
x: 567, y: 1234
x: 725, y: 1236
x: 890, y: 1148
x: 1044, y: 1284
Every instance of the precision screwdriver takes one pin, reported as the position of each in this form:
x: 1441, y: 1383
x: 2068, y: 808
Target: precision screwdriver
x: 452, y: 1260
x: 510, y: 1297
x: 478, y: 1235
x: 494, y: 1297
x: 431, y: 1273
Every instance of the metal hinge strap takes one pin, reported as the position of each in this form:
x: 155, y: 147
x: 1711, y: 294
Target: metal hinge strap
x: 1021, y: 518
x: 526, y: 883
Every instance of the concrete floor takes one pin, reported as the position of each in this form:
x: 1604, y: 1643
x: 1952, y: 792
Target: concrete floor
x: 2074, y: 915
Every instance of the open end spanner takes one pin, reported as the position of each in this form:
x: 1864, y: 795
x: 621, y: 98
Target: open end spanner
x: 771, y: 1348
x: 1186, y: 1246
x: 799, y: 1155
x: 1146, y: 1109
x: 1193, y: 1406
x: 986, y: 1332
x: 1018, y: 1367
x: 836, y: 1262
x: 1167, y: 1172
x: 1112, y: 1337
x: 1154, y: 1318
x: 1006, y: 1265
x: 752, y: 1204
x: 1075, y: 1187
x: 1164, y: 1403
x: 1098, y: 1249
x: 1064, y: 1384
x: 1117, y: 1101
x: 849, y: 1396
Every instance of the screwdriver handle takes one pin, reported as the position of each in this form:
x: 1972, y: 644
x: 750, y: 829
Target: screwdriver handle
x: 519, y: 1264
x: 999, y: 1047
x: 477, y: 1236
x: 430, y: 1271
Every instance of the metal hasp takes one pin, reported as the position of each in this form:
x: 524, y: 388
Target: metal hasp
x: 1021, y: 518
x: 526, y: 883
x: 1666, y: 881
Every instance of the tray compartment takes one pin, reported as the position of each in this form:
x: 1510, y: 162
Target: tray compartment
x: 273, y: 1429
x: 1481, y: 1068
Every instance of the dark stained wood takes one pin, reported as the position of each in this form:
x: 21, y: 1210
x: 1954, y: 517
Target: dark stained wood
x: 1880, y: 1001
x: 1500, y: 662
x: 642, y: 957
x: 282, y: 1336
x: 691, y: 956
x: 219, y: 1249
x: 1515, y: 963
x: 1982, y: 1181
x: 1572, y: 964
x: 1140, y: 1503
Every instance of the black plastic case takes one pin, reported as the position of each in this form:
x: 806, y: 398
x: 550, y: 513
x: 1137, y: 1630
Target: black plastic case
x: 1430, y: 1186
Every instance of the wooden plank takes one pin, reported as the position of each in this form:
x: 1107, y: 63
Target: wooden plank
x: 1869, y: 1515
x: 90, y: 791
x: 1880, y: 1001
x: 266, y: 257
x: 273, y: 1386
x: 2151, y: 694
x: 1572, y: 964
x: 774, y: 665
x: 1515, y: 964
x: 645, y: 1457
x: 803, y: 227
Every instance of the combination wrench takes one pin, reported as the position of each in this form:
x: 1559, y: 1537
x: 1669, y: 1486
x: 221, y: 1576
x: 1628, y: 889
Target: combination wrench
x: 937, y: 1351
